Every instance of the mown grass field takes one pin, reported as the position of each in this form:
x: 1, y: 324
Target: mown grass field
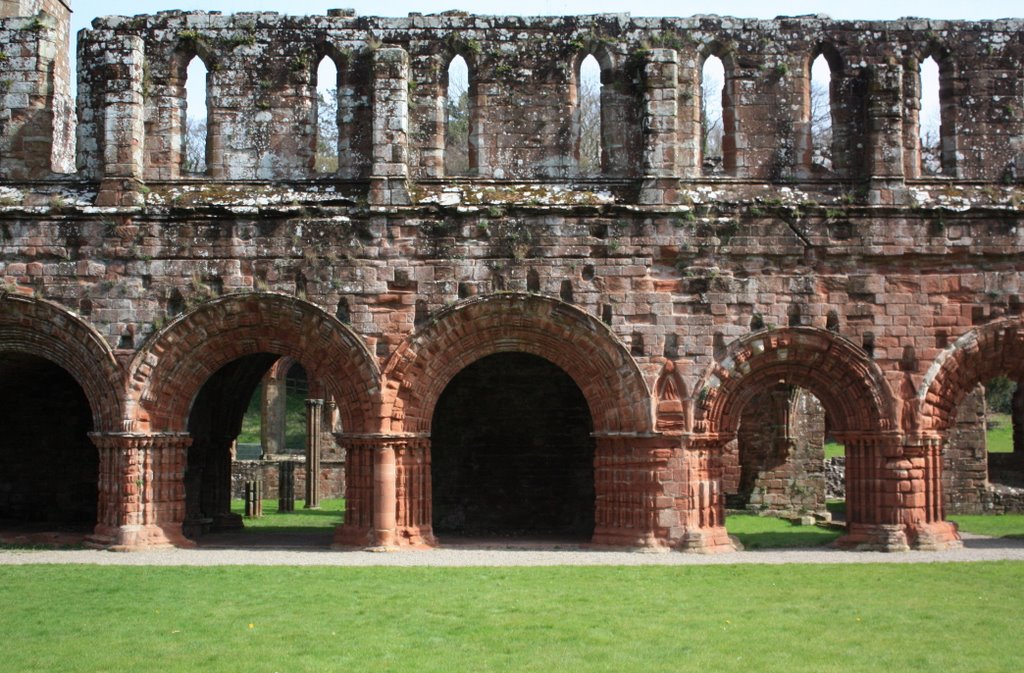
x: 995, y: 525
x: 330, y: 514
x: 793, y: 618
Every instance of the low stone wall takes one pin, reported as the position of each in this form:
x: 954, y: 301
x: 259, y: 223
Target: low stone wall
x: 332, y: 476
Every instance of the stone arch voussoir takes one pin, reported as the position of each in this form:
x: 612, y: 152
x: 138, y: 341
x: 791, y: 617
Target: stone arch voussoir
x: 579, y: 344
x: 848, y: 383
x: 977, y: 356
x: 175, y: 363
x: 42, y: 328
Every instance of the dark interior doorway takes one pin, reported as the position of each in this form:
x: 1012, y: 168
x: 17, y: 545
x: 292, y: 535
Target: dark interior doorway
x: 512, y: 453
x: 49, y: 468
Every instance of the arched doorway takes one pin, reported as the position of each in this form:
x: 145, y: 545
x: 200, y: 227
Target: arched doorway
x: 48, y: 465
x: 512, y: 452
x: 576, y: 345
x: 862, y: 413
x: 199, y: 374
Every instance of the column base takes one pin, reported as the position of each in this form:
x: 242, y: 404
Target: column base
x: 714, y: 540
x: 138, y: 538
x: 415, y: 537
x: 625, y: 537
x: 874, y: 537
x: 937, y: 536
x: 351, y: 536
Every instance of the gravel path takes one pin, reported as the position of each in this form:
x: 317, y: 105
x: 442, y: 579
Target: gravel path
x: 976, y: 548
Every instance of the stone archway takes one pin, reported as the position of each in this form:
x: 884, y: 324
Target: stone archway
x: 41, y: 328
x: 231, y: 339
x: 882, y: 512
x: 58, y: 384
x: 976, y: 357
x: 585, y: 349
x: 946, y: 411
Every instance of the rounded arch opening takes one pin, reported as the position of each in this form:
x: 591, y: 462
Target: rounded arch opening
x: 49, y: 468
x: 580, y: 345
x: 512, y: 452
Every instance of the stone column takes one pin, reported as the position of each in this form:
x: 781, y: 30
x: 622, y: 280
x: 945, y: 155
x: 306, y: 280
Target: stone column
x: 123, y: 132
x: 273, y: 405
x: 885, y: 135
x: 413, y: 494
x: 141, y: 490
x: 702, y: 498
x: 314, y: 416
x: 357, y: 531
x: 658, y: 491
x: 389, y: 171
x: 388, y: 496
x: 660, y: 125
x: 894, y: 493
x: 385, y: 502
x: 215, y: 488
x: 919, y: 489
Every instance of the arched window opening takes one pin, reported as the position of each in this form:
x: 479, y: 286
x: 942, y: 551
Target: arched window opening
x: 327, y: 126
x: 456, y: 116
x: 194, y: 135
x: 930, y: 119
x: 820, y: 116
x: 712, y: 87
x: 589, y: 111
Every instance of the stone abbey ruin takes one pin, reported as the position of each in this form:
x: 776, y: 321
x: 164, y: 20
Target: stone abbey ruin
x: 525, y: 347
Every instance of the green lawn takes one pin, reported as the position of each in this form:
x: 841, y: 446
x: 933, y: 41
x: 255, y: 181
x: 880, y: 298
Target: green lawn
x: 999, y: 438
x: 996, y: 525
x: 330, y: 515
x: 834, y: 450
x: 791, y: 619
x: 295, y: 421
x: 763, y: 532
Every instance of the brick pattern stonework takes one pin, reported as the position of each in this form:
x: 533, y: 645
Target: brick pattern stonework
x: 673, y: 300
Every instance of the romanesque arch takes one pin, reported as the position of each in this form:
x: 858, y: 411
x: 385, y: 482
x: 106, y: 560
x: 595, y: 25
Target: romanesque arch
x: 170, y: 369
x: 418, y: 372
x: 579, y: 344
x: 45, y: 351
x: 849, y: 384
x: 977, y: 356
x: 41, y: 328
x: 882, y: 513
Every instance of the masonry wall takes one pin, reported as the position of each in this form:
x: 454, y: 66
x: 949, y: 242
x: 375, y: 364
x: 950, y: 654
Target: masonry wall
x: 902, y: 276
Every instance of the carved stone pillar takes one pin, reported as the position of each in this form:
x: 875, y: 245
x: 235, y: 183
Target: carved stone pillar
x: 894, y: 494
x: 357, y: 531
x: 123, y: 130
x: 702, y: 499
x: 388, y: 496
x: 635, y: 479
x: 920, y: 489
x: 389, y: 172
x: 314, y: 416
x: 413, y: 495
x: 141, y: 490
x: 660, y: 127
x: 215, y: 495
x: 885, y: 135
